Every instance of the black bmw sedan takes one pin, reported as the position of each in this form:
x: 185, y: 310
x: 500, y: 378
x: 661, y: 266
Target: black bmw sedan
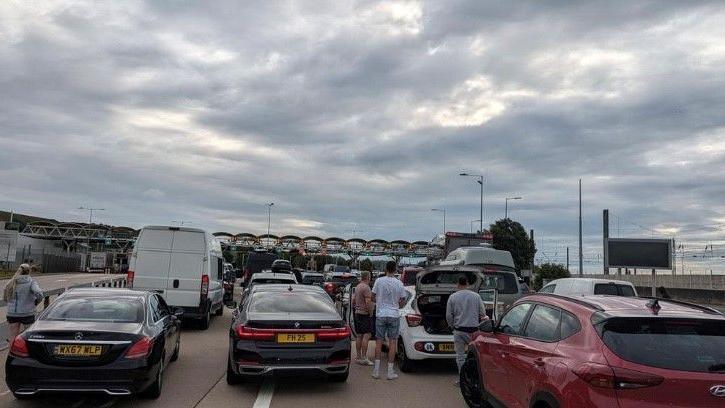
x: 288, y: 329
x: 111, y: 341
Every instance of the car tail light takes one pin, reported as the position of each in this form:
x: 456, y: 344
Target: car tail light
x: 140, y: 349
x: 602, y: 376
x: 329, y: 287
x: 129, y: 278
x: 252, y: 334
x: 333, y: 334
x: 413, y: 319
x: 19, y: 348
x: 204, y: 287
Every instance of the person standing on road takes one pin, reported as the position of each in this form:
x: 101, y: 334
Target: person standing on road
x: 389, y: 297
x: 464, y: 313
x: 362, y: 303
x: 22, y: 294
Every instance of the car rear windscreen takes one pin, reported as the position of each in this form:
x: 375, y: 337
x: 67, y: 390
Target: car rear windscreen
x: 259, y: 261
x: 613, y: 289
x: 676, y: 344
x: 343, y: 279
x: 504, y: 282
x: 106, y: 309
x: 290, y: 302
x: 312, y: 279
x: 341, y: 268
x: 272, y: 280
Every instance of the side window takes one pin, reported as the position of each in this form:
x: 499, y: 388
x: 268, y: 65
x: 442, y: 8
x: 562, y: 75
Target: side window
x: 626, y: 290
x: 154, y: 309
x: 163, y: 307
x: 220, y: 268
x: 569, y: 325
x: 543, y: 324
x: 605, y: 289
x: 513, y: 321
x: 548, y: 289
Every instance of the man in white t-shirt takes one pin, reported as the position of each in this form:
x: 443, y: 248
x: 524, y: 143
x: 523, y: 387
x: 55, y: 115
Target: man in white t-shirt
x: 389, y: 297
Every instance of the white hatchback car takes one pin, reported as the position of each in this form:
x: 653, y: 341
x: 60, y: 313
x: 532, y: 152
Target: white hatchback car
x: 589, y: 286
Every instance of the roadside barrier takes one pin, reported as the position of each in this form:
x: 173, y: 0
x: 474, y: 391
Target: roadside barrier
x: 104, y: 283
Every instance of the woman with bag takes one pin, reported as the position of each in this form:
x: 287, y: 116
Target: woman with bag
x: 22, y: 294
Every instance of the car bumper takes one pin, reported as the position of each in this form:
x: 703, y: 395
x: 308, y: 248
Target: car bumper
x: 30, y: 377
x: 430, y: 343
x: 249, y: 359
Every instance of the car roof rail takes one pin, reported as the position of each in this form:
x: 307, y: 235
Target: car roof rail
x: 702, y: 308
x: 572, y: 299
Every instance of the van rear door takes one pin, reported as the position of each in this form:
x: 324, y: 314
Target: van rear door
x: 188, y: 256
x: 153, y: 256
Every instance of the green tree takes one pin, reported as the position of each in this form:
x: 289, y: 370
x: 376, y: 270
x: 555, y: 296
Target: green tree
x: 549, y: 272
x: 511, y: 236
x: 366, y: 265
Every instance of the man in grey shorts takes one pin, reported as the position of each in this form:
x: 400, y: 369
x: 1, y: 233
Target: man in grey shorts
x: 389, y: 297
x: 464, y: 312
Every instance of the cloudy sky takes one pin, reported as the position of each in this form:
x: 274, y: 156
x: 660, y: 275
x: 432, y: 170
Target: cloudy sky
x: 358, y: 116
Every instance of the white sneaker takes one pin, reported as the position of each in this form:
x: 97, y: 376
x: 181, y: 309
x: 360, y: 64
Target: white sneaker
x: 360, y: 361
x: 367, y: 362
x: 392, y: 375
x: 376, y: 374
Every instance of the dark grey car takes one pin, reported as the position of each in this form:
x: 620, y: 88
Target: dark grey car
x: 288, y: 329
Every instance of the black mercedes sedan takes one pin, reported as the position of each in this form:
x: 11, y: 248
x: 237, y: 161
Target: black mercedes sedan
x: 112, y: 341
x: 288, y: 329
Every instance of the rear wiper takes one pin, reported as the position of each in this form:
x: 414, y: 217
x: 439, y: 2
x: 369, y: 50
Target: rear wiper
x: 717, y: 367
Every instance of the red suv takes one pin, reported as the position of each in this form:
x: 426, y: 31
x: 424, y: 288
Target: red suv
x: 598, y: 351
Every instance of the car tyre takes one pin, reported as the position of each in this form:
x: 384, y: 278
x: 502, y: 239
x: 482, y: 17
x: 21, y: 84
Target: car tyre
x: 177, y: 349
x: 471, y: 386
x: 232, y: 377
x: 340, y: 378
x: 204, y: 321
x: 154, y: 390
x: 405, y: 364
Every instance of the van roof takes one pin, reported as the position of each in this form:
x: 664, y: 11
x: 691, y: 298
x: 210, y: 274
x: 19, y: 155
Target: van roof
x: 173, y: 228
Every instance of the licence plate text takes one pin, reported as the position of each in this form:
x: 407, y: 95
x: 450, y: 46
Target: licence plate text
x: 445, y: 347
x: 295, y: 338
x: 78, y: 350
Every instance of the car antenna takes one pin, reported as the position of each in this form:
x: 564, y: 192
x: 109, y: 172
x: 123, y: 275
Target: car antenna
x: 290, y: 288
x: 654, y: 306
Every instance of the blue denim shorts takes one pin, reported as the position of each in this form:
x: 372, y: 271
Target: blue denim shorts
x: 387, y: 327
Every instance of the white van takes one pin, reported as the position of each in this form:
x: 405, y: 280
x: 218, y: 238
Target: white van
x: 480, y: 255
x: 184, y: 265
x: 589, y: 286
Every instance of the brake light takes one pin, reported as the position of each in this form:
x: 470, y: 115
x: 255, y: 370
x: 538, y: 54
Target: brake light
x: 129, y: 278
x: 140, y: 349
x: 19, y: 348
x: 333, y: 334
x: 602, y: 376
x: 329, y: 287
x: 204, y: 287
x: 252, y: 334
x: 413, y: 319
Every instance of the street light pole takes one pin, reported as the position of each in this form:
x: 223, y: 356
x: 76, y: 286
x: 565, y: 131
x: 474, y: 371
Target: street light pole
x: 507, y: 205
x: 269, y: 217
x: 472, y: 222
x: 480, y: 181
x: 88, y: 231
x: 444, y: 217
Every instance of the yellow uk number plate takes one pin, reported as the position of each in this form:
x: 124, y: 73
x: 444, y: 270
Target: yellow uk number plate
x: 295, y: 338
x: 445, y: 347
x: 78, y: 350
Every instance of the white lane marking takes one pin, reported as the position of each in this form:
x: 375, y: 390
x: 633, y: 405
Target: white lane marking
x: 264, y: 396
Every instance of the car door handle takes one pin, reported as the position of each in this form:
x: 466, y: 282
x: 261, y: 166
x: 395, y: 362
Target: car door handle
x: 176, y: 283
x: 539, y: 362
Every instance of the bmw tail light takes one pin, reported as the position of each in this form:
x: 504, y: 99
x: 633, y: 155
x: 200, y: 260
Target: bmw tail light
x: 140, y: 349
x: 129, y: 278
x: 249, y: 333
x: 602, y: 376
x: 19, y: 348
x: 333, y: 334
x: 413, y: 319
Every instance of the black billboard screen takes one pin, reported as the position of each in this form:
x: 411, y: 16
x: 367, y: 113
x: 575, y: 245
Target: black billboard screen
x: 639, y: 253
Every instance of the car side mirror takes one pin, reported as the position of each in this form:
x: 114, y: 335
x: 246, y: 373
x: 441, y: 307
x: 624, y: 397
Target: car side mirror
x: 178, y: 312
x: 486, y: 326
